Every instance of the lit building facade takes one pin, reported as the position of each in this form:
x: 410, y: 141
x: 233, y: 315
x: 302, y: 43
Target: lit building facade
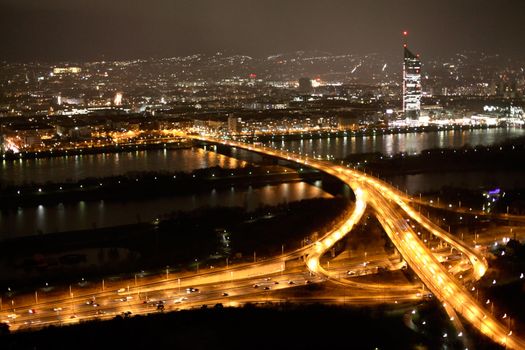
x: 411, y: 85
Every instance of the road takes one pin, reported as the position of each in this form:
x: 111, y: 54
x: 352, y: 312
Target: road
x: 394, y: 214
x: 178, y: 295
x: 392, y: 210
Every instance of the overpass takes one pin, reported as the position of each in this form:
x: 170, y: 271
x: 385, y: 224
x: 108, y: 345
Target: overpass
x: 394, y: 213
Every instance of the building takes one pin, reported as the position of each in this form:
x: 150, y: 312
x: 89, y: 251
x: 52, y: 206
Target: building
x: 305, y: 85
x: 25, y: 136
x: 66, y: 70
x: 73, y: 129
x: 234, y: 124
x: 411, y: 84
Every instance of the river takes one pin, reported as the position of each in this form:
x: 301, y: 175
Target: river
x: 341, y: 147
x: 93, y: 214
x: 85, y: 215
x: 73, y: 168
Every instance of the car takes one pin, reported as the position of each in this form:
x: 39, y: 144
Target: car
x: 255, y: 286
x: 266, y: 288
x: 351, y: 273
x: 32, y: 311
x: 225, y: 294
x: 307, y: 282
x: 180, y: 300
x: 100, y: 312
x: 191, y: 290
x: 291, y: 282
x: 121, y: 290
x: 95, y: 305
x: 267, y: 278
x: 57, y: 309
x: 73, y: 316
x: 275, y: 282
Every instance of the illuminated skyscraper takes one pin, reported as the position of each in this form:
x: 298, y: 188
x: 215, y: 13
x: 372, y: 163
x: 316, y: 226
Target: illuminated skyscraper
x: 411, y: 83
x: 117, y: 101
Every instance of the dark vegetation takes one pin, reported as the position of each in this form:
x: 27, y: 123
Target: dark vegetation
x: 507, y: 293
x: 251, y: 327
x: 506, y: 156
x: 146, y: 185
x: 178, y: 238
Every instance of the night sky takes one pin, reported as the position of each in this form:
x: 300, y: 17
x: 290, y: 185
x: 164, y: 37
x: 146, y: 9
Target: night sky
x: 50, y: 30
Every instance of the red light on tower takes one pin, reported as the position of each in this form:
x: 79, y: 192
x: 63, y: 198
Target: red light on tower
x: 405, y: 33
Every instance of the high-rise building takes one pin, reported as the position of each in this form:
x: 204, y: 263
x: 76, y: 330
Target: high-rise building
x: 234, y: 124
x: 411, y: 84
x: 305, y: 85
x: 117, y: 101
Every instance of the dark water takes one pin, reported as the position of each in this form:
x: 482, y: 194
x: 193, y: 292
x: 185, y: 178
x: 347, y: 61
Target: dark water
x: 341, y: 147
x: 430, y: 182
x: 86, y: 215
x: 108, y: 164
x: 77, y: 167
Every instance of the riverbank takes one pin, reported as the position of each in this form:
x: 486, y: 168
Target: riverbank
x: 364, y: 132
x: 504, y: 156
x: 175, y: 143
x: 150, y: 184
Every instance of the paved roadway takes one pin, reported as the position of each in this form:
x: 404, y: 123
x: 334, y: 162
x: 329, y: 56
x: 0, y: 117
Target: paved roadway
x: 469, y: 211
x: 174, y: 295
x: 394, y: 214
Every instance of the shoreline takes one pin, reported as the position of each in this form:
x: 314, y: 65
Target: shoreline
x: 173, y: 144
x: 369, y: 132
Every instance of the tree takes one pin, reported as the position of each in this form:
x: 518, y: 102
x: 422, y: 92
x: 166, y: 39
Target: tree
x: 4, y: 329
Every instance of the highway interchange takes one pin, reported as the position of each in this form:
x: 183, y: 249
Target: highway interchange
x: 253, y: 282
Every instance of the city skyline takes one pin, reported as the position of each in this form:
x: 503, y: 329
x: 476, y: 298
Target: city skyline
x: 61, y: 31
x: 273, y: 161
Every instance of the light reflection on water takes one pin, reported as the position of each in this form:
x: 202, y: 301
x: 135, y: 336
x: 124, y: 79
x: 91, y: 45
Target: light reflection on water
x: 83, y: 215
x: 86, y: 215
x: 73, y: 168
x: 397, y: 143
